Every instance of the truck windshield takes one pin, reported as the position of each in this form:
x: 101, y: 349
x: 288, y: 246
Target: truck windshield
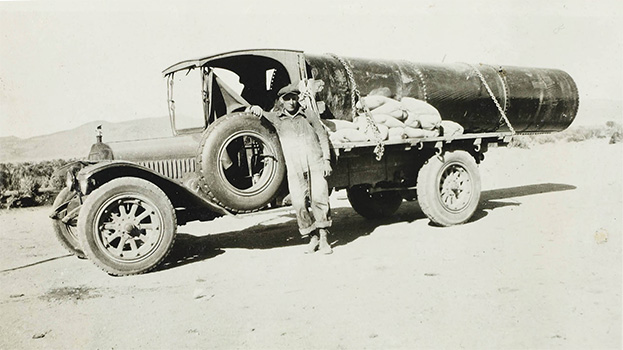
x: 186, y: 100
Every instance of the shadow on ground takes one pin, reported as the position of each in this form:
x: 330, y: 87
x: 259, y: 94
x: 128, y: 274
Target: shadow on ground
x: 347, y: 227
x: 493, y: 199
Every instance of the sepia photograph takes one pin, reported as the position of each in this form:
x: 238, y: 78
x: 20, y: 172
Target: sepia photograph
x: 311, y: 175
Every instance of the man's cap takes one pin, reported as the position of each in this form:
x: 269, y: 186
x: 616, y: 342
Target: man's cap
x: 289, y: 89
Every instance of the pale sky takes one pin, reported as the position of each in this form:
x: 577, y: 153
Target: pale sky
x: 63, y: 64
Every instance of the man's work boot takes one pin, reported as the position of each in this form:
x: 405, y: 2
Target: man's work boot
x: 313, y: 243
x: 324, y: 246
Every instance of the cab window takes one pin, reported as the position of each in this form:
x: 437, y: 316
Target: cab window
x: 186, y: 101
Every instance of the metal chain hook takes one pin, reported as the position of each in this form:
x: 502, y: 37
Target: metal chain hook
x: 355, y: 96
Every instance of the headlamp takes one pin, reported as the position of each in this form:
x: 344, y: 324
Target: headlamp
x: 84, y: 186
x: 70, y: 180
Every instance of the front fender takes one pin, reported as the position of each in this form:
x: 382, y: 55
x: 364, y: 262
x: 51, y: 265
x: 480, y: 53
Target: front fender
x: 181, y: 196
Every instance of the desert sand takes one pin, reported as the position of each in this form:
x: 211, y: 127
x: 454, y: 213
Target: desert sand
x: 538, y: 266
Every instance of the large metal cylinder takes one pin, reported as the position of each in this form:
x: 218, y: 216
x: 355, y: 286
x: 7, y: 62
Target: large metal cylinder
x: 533, y: 99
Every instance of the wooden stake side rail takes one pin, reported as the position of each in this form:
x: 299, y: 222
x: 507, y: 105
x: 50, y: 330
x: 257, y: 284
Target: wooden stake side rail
x: 499, y: 138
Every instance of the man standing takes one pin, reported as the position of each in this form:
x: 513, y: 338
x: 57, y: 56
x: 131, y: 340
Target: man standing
x: 305, y: 146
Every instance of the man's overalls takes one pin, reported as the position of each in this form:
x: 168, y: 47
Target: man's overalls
x: 305, y: 146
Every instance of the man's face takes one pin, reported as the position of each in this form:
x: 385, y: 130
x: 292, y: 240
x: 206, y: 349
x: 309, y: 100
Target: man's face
x: 290, y: 102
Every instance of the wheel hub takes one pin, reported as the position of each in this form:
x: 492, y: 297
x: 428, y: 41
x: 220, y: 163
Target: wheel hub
x: 129, y: 229
x: 455, y: 188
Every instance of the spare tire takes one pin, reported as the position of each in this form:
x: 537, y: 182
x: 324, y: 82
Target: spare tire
x: 240, y: 162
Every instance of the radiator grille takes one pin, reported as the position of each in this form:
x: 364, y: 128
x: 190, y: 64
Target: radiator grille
x: 172, y: 168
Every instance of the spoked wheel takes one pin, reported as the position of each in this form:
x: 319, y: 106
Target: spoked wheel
x: 127, y: 226
x: 65, y: 203
x: 448, y: 188
x: 373, y: 205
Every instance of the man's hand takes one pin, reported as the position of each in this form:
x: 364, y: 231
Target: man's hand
x: 256, y: 111
x: 326, y: 168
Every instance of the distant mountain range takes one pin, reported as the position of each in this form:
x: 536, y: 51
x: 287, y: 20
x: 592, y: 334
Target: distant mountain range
x: 76, y: 143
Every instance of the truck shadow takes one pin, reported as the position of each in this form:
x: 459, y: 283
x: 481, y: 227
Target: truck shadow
x: 493, y: 199
x: 347, y: 227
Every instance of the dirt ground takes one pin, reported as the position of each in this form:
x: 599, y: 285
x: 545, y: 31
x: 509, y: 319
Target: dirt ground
x: 538, y: 266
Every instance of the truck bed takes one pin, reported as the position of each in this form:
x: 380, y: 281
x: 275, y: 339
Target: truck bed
x: 497, y: 138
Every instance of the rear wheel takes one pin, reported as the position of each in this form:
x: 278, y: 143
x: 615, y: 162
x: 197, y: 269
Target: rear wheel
x: 448, y: 188
x: 66, y: 233
x: 127, y: 226
x: 371, y: 204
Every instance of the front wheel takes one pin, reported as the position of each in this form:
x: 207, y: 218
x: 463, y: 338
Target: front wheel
x: 448, y: 188
x: 127, y: 226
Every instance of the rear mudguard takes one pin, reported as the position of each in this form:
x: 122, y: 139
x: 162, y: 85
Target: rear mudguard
x: 182, y: 195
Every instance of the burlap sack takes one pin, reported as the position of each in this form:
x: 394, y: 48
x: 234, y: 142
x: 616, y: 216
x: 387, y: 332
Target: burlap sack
x: 390, y: 106
x: 373, y: 101
x: 337, y: 124
x: 420, y: 133
x: 396, y: 133
x: 413, y: 121
x: 392, y: 122
x: 420, y: 112
x: 348, y: 135
x: 379, y: 118
x: 382, y: 91
x: 399, y: 114
x: 451, y: 128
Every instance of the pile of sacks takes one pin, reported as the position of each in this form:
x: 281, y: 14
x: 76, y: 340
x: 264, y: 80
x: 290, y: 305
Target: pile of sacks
x: 395, y: 120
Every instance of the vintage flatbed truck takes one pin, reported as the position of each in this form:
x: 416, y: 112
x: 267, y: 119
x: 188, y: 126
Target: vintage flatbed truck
x: 122, y: 205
